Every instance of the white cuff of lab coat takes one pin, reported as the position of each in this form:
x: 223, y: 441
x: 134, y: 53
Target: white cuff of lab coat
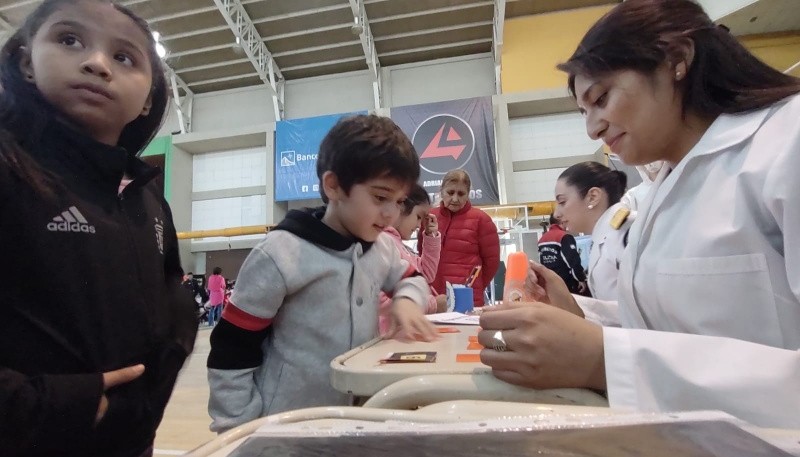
x: 601, y: 312
x: 620, y: 369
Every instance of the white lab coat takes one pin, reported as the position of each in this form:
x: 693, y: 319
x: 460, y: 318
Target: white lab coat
x: 605, y: 256
x: 710, y: 283
x: 608, y: 244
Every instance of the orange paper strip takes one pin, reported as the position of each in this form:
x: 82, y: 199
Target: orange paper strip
x: 473, y: 346
x: 468, y: 358
x: 448, y: 330
x: 473, y: 339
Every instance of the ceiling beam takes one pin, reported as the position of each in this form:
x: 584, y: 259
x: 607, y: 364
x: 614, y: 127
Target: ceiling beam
x: 431, y: 31
x: 248, y: 37
x: 213, y: 65
x: 444, y: 9
x: 325, y: 47
x: 435, y: 47
x: 324, y: 63
x: 301, y: 13
x: 326, y: 28
x: 224, y: 79
x: 497, y: 42
x: 182, y: 107
x: 361, y: 26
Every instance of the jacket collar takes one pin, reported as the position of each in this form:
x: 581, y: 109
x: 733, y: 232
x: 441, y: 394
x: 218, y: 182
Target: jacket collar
x: 307, y: 224
x: 72, y: 152
x: 728, y: 130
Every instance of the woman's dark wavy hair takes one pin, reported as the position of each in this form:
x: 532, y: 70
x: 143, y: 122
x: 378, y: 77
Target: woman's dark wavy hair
x: 586, y: 175
x: 640, y: 35
x: 24, y: 113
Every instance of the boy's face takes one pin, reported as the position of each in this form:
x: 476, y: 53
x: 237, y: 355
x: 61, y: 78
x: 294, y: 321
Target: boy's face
x: 368, y: 209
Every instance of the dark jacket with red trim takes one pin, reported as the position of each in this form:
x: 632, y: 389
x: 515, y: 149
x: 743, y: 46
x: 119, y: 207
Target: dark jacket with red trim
x: 304, y: 295
x: 558, y: 251
x: 91, y: 283
x: 469, y: 238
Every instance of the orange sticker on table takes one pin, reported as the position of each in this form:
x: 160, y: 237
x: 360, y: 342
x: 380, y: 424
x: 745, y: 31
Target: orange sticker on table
x: 473, y: 339
x: 448, y: 330
x: 468, y: 358
x: 474, y: 346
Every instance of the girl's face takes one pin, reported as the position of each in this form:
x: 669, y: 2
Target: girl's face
x: 572, y: 211
x: 91, y: 61
x: 406, y: 225
x: 455, y: 195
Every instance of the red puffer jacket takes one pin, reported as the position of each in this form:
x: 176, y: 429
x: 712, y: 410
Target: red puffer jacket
x: 469, y: 238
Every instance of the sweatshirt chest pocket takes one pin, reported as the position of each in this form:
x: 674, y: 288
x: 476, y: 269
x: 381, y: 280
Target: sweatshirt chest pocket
x: 720, y: 296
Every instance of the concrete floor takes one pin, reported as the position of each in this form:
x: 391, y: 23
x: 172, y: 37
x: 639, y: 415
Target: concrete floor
x: 185, y: 424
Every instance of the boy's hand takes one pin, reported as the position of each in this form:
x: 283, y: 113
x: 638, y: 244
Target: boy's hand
x: 431, y: 225
x: 408, y: 318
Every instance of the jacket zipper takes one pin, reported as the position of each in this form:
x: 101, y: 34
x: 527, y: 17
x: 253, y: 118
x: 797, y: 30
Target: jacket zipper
x: 137, y: 262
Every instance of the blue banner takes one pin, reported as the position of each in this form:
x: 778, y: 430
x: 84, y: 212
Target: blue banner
x: 296, y: 147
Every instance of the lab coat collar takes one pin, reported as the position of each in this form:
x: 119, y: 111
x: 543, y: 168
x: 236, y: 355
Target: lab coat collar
x: 727, y: 131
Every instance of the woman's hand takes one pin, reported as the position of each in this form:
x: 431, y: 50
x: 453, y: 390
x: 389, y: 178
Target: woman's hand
x: 410, y: 322
x: 431, y: 225
x: 546, y: 347
x: 113, y: 379
x: 546, y: 286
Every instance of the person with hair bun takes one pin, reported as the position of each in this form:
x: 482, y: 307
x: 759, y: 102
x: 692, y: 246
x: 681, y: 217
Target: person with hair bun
x: 588, y: 201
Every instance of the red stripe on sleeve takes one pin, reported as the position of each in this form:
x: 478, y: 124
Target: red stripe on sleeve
x: 244, y: 320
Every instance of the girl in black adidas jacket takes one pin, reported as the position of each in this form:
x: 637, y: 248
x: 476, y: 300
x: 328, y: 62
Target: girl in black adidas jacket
x: 95, y: 325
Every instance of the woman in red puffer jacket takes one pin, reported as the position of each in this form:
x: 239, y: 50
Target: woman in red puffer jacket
x: 469, y: 237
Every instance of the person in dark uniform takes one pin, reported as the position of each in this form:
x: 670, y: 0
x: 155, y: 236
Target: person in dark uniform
x: 558, y: 251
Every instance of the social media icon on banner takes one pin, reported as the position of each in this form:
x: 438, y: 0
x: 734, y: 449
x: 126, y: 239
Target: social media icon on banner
x: 315, y: 187
x: 304, y: 189
x: 287, y: 158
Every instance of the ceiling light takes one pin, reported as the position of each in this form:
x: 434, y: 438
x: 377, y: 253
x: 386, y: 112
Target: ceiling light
x: 160, y: 49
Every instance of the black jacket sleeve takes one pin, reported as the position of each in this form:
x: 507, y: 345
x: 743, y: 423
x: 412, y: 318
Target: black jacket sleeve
x: 569, y: 249
x: 48, y: 411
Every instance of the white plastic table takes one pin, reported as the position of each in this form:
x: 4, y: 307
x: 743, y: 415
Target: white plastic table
x: 461, y: 416
x: 359, y: 371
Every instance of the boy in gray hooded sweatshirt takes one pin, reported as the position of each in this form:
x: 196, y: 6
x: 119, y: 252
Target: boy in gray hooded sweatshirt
x: 309, y: 291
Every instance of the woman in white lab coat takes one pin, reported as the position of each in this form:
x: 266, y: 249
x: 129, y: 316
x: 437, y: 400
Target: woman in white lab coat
x: 710, y: 283
x: 588, y: 201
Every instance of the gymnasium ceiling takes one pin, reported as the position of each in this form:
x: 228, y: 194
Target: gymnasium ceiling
x: 320, y: 37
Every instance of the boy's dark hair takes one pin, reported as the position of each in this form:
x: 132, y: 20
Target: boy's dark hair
x: 363, y: 147
x: 586, y: 175
x: 24, y: 113
x: 640, y: 35
x: 417, y: 196
x: 217, y: 271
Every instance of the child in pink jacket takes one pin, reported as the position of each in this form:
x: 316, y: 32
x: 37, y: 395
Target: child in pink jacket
x: 415, y: 209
